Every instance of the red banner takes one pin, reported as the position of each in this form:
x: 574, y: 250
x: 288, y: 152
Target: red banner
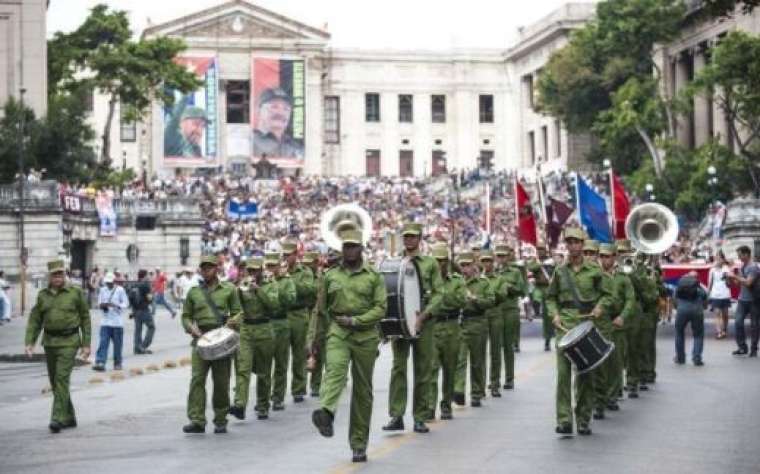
x: 622, y: 206
x: 526, y: 221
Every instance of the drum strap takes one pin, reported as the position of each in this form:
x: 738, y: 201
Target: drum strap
x: 565, y: 274
x: 210, y: 303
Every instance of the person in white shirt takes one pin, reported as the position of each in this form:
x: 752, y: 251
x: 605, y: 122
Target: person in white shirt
x: 720, y: 293
x: 5, y: 300
x: 112, y: 301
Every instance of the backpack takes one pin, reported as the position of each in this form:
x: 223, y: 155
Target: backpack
x: 135, y: 297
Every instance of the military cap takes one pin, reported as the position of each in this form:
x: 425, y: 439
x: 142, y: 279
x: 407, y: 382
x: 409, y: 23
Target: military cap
x: 274, y: 93
x: 591, y: 245
x: 289, y: 247
x: 209, y: 260
x: 310, y: 257
x: 540, y: 246
x: 623, y: 245
x: 476, y: 248
x: 272, y: 258
x: 193, y: 112
x: 440, y: 252
x: 575, y: 233
x: 607, y: 249
x: 55, y: 266
x: 255, y: 263
x: 465, y: 257
x: 351, y: 237
x: 486, y: 255
x: 501, y: 249
x: 411, y: 228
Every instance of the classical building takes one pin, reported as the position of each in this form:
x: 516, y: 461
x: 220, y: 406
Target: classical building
x: 23, y: 53
x: 355, y: 112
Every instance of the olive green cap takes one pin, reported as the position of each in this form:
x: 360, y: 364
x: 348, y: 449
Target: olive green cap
x: 575, y: 233
x: 255, y: 263
x: 209, y: 260
x: 351, y: 236
x: 486, y: 255
x: 465, y: 257
x: 476, y: 248
x: 411, y: 228
x: 272, y: 258
x: 289, y: 247
x: 193, y: 112
x: 440, y: 252
x: 541, y: 246
x: 607, y: 249
x: 310, y: 257
x: 55, y: 266
x: 501, y: 250
x: 591, y: 245
x: 623, y: 245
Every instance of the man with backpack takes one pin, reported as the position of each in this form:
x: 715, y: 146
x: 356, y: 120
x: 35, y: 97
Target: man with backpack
x: 140, y: 298
x: 749, y: 296
x: 690, y: 301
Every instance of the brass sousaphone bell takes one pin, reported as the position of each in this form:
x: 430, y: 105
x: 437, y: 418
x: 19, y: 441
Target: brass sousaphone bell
x: 343, y: 217
x: 652, y: 228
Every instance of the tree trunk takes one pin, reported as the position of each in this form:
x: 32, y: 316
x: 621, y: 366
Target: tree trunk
x: 653, y: 152
x: 106, y: 151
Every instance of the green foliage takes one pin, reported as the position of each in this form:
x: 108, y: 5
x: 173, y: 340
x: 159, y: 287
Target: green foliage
x: 117, y: 179
x: 719, y: 8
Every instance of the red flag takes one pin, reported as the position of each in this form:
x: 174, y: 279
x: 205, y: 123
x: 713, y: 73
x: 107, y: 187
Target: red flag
x: 526, y: 221
x: 557, y: 213
x: 622, y: 206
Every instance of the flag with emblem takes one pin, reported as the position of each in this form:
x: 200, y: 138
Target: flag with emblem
x: 526, y: 221
x: 592, y: 210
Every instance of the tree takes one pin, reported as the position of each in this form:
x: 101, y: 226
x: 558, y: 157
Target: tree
x: 101, y: 54
x: 719, y: 8
x: 733, y: 79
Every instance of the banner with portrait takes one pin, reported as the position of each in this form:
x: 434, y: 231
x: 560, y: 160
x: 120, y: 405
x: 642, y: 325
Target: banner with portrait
x: 191, y: 124
x: 106, y: 215
x: 278, y: 111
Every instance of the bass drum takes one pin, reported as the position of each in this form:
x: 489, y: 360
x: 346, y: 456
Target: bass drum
x: 218, y: 344
x: 585, y: 347
x: 404, y: 289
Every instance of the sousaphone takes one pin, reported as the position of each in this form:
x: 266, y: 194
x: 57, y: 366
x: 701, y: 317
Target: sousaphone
x: 343, y: 217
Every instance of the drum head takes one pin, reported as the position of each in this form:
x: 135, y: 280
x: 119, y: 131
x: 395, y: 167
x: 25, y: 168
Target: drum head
x: 214, y: 337
x: 575, y: 334
x: 412, y: 301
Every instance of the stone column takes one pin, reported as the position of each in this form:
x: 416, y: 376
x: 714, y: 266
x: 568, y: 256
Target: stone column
x: 682, y: 79
x: 702, y: 104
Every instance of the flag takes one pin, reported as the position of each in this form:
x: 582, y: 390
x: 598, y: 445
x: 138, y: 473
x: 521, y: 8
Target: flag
x: 557, y: 213
x: 593, y: 212
x: 622, y: 206
x: 526, y: 221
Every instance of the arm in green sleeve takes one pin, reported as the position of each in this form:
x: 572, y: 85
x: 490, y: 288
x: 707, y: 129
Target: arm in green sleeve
x: 85, y: 326
x: 436, y: 289
x: 552, y: 296
x: 236, y: 310
x: 485, y: 297
x: 629, y: 295
x: 379, y: 305
x: 187, y: 311
x: 308, y: 287
x: 34, y: 325
x: 606, y: 300
x: 288, y: 295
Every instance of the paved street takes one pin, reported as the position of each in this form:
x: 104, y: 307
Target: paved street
x: 696, y: 420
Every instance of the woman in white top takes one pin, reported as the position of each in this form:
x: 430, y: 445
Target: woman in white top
x: 720, y: 293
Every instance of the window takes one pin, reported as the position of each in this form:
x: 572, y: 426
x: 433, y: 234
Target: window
x: 486, y: 160
x: 239, y: 168
x: 438, y: 108
x: 372, y: 107
x: 545, y: 142
x: 88, y: 97
x: 238, y: 101
x: 406, y: 163
x: 528, y: 89
x: 332, y: 119
x: 405, y: 108
x: 486, y: 109
x: 439, y: 162
x: 128, y: 129
x: 558, y: 137
x: 532, y: 147
x: 373, y: 162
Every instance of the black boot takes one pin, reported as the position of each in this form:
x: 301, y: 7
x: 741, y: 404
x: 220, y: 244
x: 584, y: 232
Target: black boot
x: 237, y: 412
x: 613, y: 406
x: 396, y: 424
x: 475, y: 403
x: 55, y: 427
x: 220, y: 429
x: 547, y: 346
x: 495, y: 393
x: 70, y: 424
x: 599, y: 414
x: 420, y: 427
x: 278, y: 406
x: 194, y: 428
x: 323, y: 420
x: 584, y: 430
x: 459, y: 399
x: 360, y: 455
x: 564, y: 429
x: 297, y: 398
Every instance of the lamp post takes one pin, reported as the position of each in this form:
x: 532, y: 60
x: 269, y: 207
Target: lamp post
x: 712, y: 181
x: 650, y: 192
x: 23, y: 255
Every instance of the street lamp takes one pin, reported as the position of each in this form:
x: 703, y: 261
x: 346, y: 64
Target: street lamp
x: 712, y: 181
x: 650, y: 191
x: 607, y: 164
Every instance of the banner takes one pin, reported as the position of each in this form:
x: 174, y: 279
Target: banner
x: 278, y: 111
x: 526, y: 221
x: 71, y: 203
x: 622, y: 206
x: 106, y: 214
x: 242, y: 210
x: 557, y: 213
x: 191, y: 125
x: 593, y: 212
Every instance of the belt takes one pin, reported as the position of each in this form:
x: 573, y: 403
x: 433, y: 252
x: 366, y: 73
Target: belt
x: 205, y: 329
x: 584, y: 307
x: 471, y: 315
x: 62, y: 332
x: 278, y: 317
x: 256, y: 321
x: 447, y: 317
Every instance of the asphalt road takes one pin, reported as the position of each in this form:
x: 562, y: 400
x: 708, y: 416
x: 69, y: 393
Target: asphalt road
x: 695, y: 420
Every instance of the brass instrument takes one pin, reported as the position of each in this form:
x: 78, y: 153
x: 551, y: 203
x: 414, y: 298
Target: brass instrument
x: 652, y: 228
x: 342, y: 217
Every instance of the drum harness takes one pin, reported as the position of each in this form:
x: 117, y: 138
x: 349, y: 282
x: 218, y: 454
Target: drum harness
x: 220, y: 319
x: 584, y: 308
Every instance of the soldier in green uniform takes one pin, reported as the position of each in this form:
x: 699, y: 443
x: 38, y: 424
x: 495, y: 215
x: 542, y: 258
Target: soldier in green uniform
x: 495, y: 318
x: 298, y: 315
x: 446, y: 310
x: 517, y: 287
x: 648, y: 335
x: 591, y: 251
x: 575, y: 292
x: 354, y: 304
x: 314, y: 341
x: 474, y: 332
x: 184, y: 130
x: 422, y: 348
x: 286, y: 299
x: 62, y: 312
x: 541, y: 278
x: 209, y: 306
x: 258, y: 300
x: 633, y: 331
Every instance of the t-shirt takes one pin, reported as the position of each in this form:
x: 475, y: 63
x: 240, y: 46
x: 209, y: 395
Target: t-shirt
x: 749, y: 270
x: 159, y: 283
x: 719, y: 289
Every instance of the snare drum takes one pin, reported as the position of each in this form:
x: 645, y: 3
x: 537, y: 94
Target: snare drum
x: 404, y: 289
x: 218, y: 344
x: 585, y: 347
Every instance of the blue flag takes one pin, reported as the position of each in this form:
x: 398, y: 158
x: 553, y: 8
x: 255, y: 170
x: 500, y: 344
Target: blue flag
x: 593, y: 210
x: 242, y: 210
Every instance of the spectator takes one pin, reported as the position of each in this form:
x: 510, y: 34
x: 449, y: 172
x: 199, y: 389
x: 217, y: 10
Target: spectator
x: 690, y: 302
x: 746, y: 305
x: 94, y: 283
x: 5, y: 299
x: 140, y: 298
x: 159, y: 293
x: 112, y: 301
x: 720, y: 293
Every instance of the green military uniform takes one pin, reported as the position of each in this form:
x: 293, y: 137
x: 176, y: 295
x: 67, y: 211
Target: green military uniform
x: 648, y: 335
x: 256, y: 342
x: 587, y: 279
x: 316, y: 331
x: 175, y: 143
x: 197, y: 311
x: 495, y: 317
x: 474, y: 336
x: 361, y: 296
x: 422, y: 348
x: 298, y: 315
x: 633, y: 334
x: 541, y: 280
x: 286, y: 299
x: 64, y: 316
x: 624, y: 304
x: 446, y: 310
x: 517, y: 287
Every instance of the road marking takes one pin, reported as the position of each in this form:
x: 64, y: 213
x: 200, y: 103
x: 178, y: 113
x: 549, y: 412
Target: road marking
x: 392, y: 443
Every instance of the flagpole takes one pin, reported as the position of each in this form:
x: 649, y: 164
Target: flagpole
x: 542, y: 201
x: 517, y: 214
x: 488, y: 208
x: 611, y: 177
x: 578, y: 198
